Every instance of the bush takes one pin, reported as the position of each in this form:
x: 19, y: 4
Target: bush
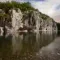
x: 6, y: 6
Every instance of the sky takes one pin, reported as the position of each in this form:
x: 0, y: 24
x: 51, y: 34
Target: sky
x: 48, y: 7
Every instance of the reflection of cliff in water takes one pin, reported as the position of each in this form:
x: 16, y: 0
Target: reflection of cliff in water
x: 5, y: 47
x: 51, y: 51
x: 24, y: 46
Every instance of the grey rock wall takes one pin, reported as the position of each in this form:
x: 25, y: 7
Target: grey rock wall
x: 31, y: 20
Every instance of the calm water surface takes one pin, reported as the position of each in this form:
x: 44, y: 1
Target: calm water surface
x: 30, y: 46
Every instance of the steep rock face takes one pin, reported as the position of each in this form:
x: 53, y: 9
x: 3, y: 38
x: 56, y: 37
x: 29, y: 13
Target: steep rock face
x: 17, y: 19
x: 34, y: 21
x: 31, y: 20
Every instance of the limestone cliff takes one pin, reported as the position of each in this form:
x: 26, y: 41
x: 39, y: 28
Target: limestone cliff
x: 32, y: 20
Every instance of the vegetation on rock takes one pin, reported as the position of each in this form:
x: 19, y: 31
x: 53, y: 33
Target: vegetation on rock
x: 6, y: 6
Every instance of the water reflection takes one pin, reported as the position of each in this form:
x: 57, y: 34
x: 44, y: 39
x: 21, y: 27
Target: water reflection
x: 28, y: 46
x: 51, y: 51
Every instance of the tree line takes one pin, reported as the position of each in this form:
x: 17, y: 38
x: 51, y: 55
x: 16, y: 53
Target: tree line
x: 6, y: 6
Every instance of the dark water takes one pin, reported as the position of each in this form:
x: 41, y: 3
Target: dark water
x: 30, y: 46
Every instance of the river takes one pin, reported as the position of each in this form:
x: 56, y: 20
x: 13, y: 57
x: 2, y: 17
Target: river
x: 30, y: 46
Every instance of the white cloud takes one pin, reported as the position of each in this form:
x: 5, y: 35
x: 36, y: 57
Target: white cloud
x: 42, y: 6
x: 47, y: 7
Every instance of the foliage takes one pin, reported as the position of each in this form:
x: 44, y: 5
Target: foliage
x: 3, y: 15
x: 43, y: 16
x: 23, y: 6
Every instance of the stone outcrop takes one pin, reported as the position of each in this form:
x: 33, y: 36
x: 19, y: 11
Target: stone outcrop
x: 31, y: 20
x: 17, y: 19
x: 34, y: 21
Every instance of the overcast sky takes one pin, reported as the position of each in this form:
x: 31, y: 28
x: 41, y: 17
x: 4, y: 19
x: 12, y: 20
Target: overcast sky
x: 49, y: 7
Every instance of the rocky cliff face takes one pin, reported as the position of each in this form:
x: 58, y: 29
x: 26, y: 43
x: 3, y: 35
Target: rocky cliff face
x: 31, y: 20
x: 17, y: 19
x: 34, y: 21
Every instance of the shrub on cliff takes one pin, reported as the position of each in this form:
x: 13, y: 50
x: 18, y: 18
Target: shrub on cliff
x: 23, y: 6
